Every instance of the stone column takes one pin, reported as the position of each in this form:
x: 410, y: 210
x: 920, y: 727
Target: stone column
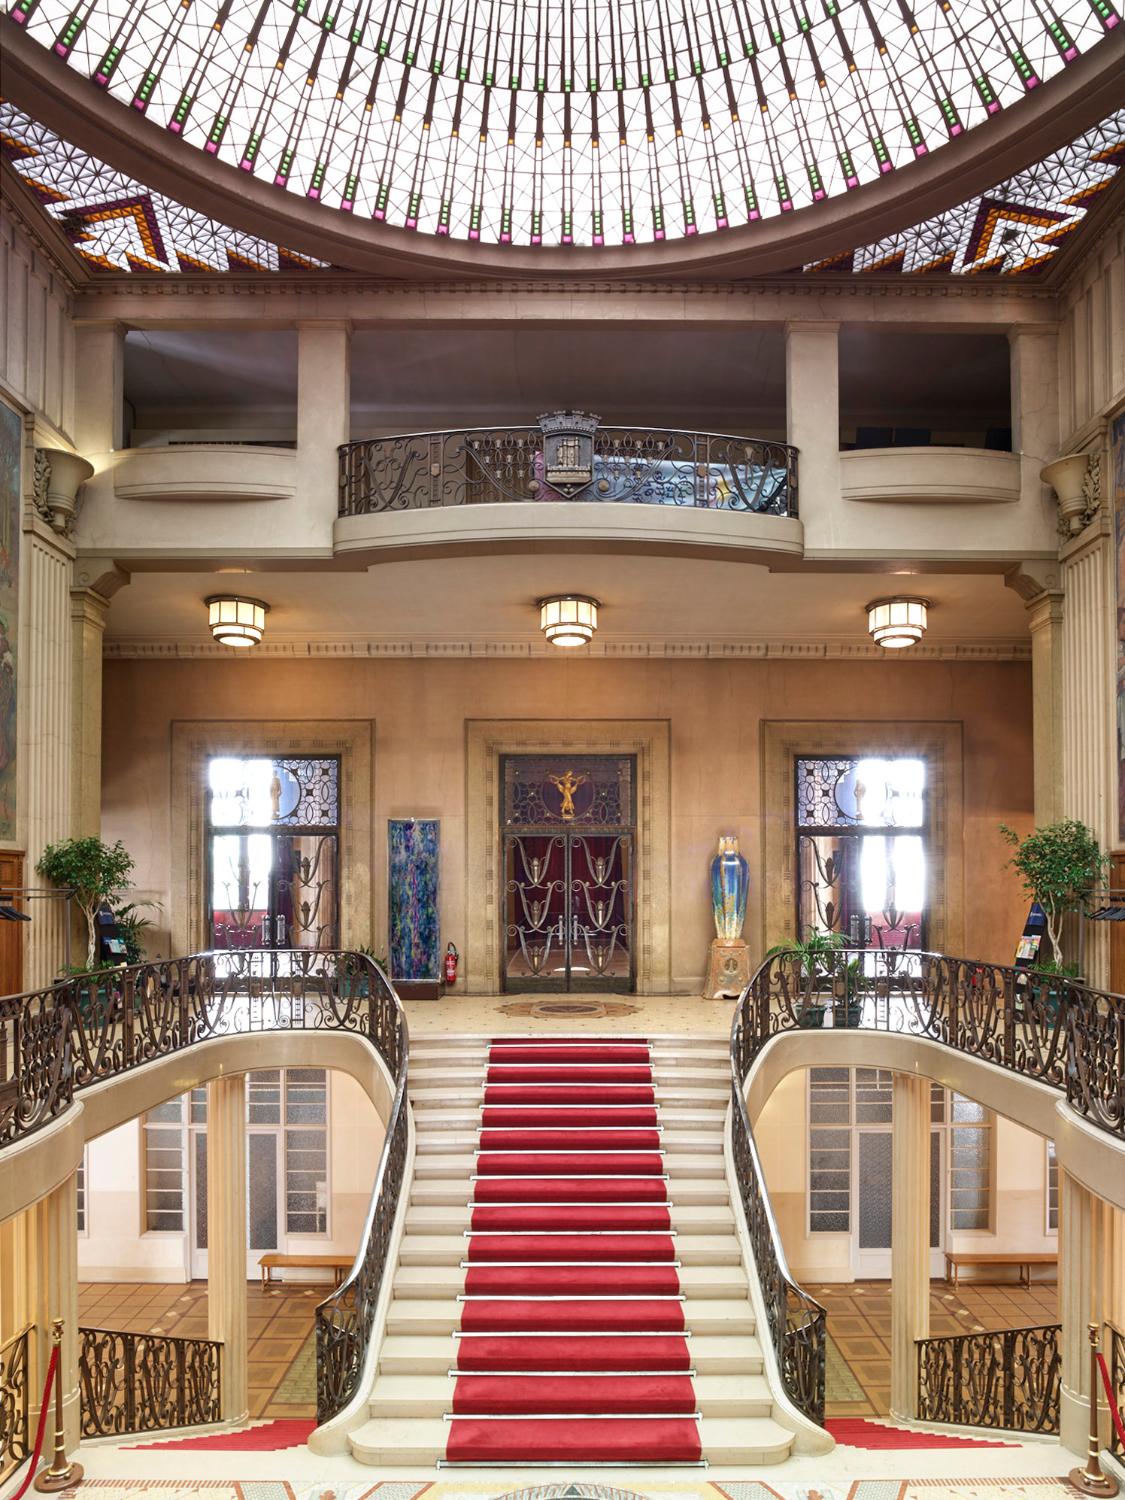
x: 45, y: 729
x: 1089, y: 704
x: 910, y: 1238
x: 39, y: 1282
x: 99, y: 390
x: 1078, y: 1307
x: 1039, y: 584
x: 95, y: 581
x: 323, y: 418
x: 1034, y: 366
x: 226, y: 1236
x: 812, y: 394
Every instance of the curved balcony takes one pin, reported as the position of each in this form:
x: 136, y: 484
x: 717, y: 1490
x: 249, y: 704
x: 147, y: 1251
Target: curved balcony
x: 205, y: 471
x: 949, y: 476
x: 565, y: 480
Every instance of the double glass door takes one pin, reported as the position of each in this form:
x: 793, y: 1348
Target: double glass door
x: 567, y: 849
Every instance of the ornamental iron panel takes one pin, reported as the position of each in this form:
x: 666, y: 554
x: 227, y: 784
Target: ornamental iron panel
x: 146, y: 1382
x: 568, y: 911
x: 568, y: 456
x: 15, y: 1433
x: 572, y: 791
x: 1008, y: 1379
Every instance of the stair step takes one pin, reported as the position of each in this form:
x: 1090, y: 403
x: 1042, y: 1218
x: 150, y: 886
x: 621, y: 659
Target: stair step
x: 436, y: 1354
x: 672, y: 1138
x: 433, y: 1395
x: 705, y: 1164
x: 449, y: 1281
x: 707, y: 1316
x: 429, y: 1192
x: 452, y: 1218
x: 452, y: 1249
x: 699, y: 1075
x: 689, y: 1096
x: 460, y: 1117
x: 422, y: 1440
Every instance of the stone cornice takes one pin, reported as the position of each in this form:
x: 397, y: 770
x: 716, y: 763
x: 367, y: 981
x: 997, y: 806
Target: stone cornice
x: 854, y: 649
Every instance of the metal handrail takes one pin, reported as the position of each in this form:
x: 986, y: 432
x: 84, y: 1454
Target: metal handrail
x: 1001, y: 1377
x: 147, y: 1382
x: 15, y: 1432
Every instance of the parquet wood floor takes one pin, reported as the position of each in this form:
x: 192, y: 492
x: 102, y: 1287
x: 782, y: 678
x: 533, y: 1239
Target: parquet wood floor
x: 279, y: 1322
x: 859, y: 1322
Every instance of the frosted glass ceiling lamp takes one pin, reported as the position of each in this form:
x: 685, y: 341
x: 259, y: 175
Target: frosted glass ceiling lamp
x: 236, y: 621
x: 896, y: 623
x: 568, y: 619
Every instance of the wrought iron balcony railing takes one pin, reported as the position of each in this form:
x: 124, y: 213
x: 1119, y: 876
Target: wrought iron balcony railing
x: 581, y: 461
x: 15, y: 1434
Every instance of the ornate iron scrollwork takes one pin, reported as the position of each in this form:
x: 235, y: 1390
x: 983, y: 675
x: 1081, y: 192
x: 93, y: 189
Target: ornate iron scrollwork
x: 146, y: 1382
x: 568, y: 456
x: 1007, y: 1379
x: 15, y: 1434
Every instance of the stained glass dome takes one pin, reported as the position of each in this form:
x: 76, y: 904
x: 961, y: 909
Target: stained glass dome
x: 556, y: 122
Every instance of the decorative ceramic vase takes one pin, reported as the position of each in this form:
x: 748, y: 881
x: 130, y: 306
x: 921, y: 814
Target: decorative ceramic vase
x: 730, y: 883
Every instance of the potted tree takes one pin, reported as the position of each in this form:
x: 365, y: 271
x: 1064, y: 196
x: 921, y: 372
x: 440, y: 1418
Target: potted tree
x: 814, y: 959
x: 96, y: 873
x: 1060, y: 865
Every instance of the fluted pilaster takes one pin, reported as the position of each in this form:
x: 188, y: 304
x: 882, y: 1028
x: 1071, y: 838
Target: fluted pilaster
x: 910, y: 1238
x: 45, y: 730
x: 226, y: 1236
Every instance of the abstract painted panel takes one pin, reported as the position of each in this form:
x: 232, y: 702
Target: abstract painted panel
x: 1118, y: 443
x: 412, y: 888
x: 11, y: 448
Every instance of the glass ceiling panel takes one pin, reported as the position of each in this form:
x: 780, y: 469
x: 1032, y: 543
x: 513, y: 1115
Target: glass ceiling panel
x: 567, y: 121
x: 118, y: 224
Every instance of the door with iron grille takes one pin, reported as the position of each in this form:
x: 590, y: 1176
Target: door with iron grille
x: 567, y: 837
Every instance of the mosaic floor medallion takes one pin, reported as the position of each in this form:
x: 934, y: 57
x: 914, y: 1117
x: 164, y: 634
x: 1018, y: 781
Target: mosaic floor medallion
x: 568, y: 1006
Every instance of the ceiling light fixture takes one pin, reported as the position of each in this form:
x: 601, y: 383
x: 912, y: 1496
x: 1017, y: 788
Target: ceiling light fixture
x: 568, y: 619
x: 236, y: 621
x: 895, y: 623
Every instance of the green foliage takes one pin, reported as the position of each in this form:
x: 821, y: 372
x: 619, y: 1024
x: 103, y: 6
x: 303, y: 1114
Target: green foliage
x: 132, y: 926
x: 815, y: 954
x: 1059, y: 866
x: 94, y: 871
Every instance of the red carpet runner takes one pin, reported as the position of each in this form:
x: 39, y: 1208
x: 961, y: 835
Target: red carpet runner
x: 572, y: 1346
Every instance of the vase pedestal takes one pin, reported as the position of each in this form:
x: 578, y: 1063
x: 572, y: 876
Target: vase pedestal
x: 728, y: 972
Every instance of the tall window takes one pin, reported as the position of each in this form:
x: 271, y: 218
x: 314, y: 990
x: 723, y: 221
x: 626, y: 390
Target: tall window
x: 849, y: 1170
x: 1052, y: 1193
x: 273, y: 850
x: 286, y: 1157
x: 857, y: 873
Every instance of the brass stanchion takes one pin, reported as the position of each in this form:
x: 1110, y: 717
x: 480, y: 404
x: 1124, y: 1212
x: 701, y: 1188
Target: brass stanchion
x: 61, y: 1475
x: 1091, y: 1480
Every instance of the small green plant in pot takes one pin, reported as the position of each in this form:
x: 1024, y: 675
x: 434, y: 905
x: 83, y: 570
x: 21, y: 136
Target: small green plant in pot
x: 1059, y: 865
x: 815, y: 958
x: 95, y: 872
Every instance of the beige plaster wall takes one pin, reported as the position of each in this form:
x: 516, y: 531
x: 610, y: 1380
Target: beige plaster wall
x: 715, y: 712
x: 1092, y: 339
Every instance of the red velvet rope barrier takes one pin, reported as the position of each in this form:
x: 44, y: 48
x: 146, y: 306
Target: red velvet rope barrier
x: 1114, y: 1409
x: 44, y: 1410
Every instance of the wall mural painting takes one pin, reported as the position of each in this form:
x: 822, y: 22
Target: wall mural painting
x: 1118, y: 441
x: 11, y: 448
x: 413, y: 894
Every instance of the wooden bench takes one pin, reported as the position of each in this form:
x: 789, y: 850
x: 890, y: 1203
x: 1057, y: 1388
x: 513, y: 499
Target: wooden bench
x: 955, y: 1259
x: 339, y: 1265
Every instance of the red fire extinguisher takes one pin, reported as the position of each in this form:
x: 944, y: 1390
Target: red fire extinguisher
x: 451, y: 957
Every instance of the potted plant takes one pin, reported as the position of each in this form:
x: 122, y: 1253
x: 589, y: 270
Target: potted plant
x: 814, y: 958
x: 131, y: 927
x: 1060, y: 865
x: 96, y: 874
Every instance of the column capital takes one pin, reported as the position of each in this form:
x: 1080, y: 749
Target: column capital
x: 100, y: 576
x: 811, y: 325
x: 1035, y: 579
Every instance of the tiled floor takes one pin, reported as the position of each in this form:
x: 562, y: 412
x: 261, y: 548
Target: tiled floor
x: 859, y: 1323
x: 484, y: 1014
x: 280, y: 1323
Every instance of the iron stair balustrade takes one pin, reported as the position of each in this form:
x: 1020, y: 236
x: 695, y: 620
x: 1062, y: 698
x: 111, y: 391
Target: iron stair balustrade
x: 15, y: 1430
x: 1042, y: 1027
x: 146, y: 1382
x: 63, y: 1038
x: 1007, y: 1378
x: 630, y: 465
